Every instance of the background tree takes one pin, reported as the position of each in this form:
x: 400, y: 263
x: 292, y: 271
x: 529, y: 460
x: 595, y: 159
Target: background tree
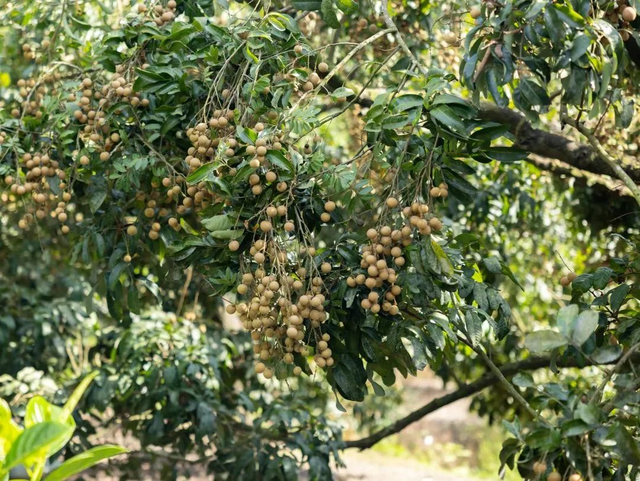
x: 360, y: 184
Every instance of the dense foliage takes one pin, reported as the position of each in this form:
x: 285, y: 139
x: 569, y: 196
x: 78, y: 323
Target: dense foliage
x: 234, y: 210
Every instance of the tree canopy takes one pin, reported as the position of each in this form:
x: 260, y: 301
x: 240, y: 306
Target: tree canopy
x: 240, y: 213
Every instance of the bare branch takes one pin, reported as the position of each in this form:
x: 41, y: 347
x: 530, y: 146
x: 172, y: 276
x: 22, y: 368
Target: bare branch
x: 489, y: 379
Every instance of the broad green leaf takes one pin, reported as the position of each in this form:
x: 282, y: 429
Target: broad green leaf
x: 566, y: 318
x: 341, y: 93
x: 585, y: 325
x: 473, y: 325
x: 618, y: 295
x: 36, y: 441
x: 201, y: 173
x: 227, y: 234
x: 606, y: 354
x: 306, y: 5
x: 216, y: 223
x: 445, y: 263
x: 9, y: 430
x: 329, y: 14
x: 445, y: 116
x: 545, y: 340
x: 492, y: 264
x: 347, y: 6
x: 83, y: 461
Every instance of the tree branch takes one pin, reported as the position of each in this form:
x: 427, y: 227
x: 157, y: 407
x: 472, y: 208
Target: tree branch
x: 488, y: 379
x: 612, y: 163
x: 554, y: 146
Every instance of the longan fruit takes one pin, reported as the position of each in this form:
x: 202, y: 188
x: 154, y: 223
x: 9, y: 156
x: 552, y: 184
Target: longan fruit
x: 572, y: 276
x: 265, y: 226
x: 298, y: 49
x: 330, y: 206
x: 539, y: 467
x: 575, y: 477
x: 260, y: 367
x: 372, y: 234
x: 307, y: 86
x: 323, y: 67
x: 297, y: 371
x: 289, y: 226
x: 234, y: 245
x: 392, y: 202
x: 435, y: 224
x: 564, y: 281
x: 435, y: 192
x: 325, y: 267
x: 554, y: 476
x: 450, y: 37
x: 325, y: 217
x: 127, y: 258
x: 281, y: 187
x: 475, y: 11
x: 629, y: 14
x: 271, y: 176
x: 132, y: 230
x: 104, y: 156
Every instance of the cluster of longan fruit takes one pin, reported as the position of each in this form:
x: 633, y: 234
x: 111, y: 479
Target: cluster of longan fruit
x: 539, y: 468
x: 278, y: 305
x: 205, y: 145
x: 33, y: 93
x: 441, y: 190
x: 161, y: 15
x: 568, y: 279
x: 91, y: 111
x: 307, y: 24
x: 27, y: 52
x: 40, y: 169
x: 3, y: 137
x: 622, y: 16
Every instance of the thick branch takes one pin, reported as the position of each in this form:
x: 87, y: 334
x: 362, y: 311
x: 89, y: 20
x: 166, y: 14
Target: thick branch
x: 603, y: 155
x: 489, y: 379
x: 553, y: 146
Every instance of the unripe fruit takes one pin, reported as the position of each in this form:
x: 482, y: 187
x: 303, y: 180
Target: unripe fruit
x: 234, y: 245
x: 450, y: 38
x: 297, y: 49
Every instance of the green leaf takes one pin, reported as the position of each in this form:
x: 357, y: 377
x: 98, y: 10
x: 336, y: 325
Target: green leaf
x: 523, y: 379
x: 201, y: 173
x: 347, y: 6
x: 493, y: 265
x: 278, y: 159
x: 445, y: 263
x: 606, y: 354
x: 329, y: 14
x: 585, y: 325
x: 626, y: 445
x: 566, y: 318
x: 347, y: 383
x: 341, y: 93
x: 216, y: 223
x: 306, y: 5
x: 545, y: 340
x: 445, y: 116
x: 601, y: 277
x: 618, y: 295
x: 228, y: 234
x: 474, y: 327
x: 84, y: 461
x: 35, y: 442
x: 9, y: 430
x: 406, y: 102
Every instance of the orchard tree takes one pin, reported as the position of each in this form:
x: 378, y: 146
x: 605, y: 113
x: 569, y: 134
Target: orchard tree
x: 356, y: 184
